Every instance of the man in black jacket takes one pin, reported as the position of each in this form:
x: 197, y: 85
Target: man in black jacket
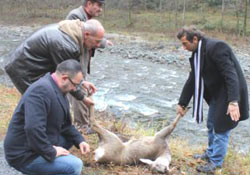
x: 46, y: 48
x: 40, y: 131
x: 217, y: 77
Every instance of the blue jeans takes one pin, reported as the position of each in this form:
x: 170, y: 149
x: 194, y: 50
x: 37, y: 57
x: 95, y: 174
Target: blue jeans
x: 62, y: 165
x: 217, y: 142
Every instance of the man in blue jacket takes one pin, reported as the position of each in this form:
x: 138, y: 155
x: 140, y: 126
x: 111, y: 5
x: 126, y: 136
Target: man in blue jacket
x: 40, y: 131
x: 217, y: 77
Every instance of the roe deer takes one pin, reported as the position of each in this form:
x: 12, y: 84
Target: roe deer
x: 152, y: 150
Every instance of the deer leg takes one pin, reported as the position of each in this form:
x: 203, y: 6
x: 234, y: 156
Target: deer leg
x: 105, y: 136
x: 168, y: 130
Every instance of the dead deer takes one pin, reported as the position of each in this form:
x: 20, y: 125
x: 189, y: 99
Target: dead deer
x: 152, y: 150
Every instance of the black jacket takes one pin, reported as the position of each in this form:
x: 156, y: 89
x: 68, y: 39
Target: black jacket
x: 223, y: 81
x: 40, y: 53
x: 41, y: 116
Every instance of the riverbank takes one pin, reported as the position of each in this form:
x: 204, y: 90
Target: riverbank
x: 182, y: 151
x: 139, y: 81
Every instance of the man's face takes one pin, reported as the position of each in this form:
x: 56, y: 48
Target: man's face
x: 92, y: 41
x: 94, y: 9
x: 190, y: 46
x: 71, y: 84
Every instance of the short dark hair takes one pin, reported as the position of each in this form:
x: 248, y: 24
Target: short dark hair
x: 71, y: 67
x: 190, y: 32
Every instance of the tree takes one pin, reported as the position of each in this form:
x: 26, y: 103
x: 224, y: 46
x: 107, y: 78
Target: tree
x: 130, y: 5
x: 222, y: 13
x: 245, y: 18
x: 176, y: 13
x: 184, y: 11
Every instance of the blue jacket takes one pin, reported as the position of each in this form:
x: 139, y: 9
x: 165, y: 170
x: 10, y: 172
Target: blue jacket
x: 41, y: 116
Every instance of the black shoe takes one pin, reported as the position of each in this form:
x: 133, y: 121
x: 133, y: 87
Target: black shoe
x: 81, y: 128
x: 207, y: 168
x: 203, y: 156
x: 90, y: 131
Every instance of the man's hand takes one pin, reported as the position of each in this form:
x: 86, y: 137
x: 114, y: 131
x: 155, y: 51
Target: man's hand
x: 234, y: 111
x: 84, y: 147
x: 60, y: 151
x: 88, y: 101
x: 180, y: 110
x: 90, y: 87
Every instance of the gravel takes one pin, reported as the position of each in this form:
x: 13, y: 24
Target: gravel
x: 5, y: 168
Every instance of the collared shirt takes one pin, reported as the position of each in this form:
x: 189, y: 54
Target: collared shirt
x: 55, y: 78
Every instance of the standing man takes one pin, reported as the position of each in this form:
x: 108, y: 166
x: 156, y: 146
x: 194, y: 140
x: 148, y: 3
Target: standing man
x: 40, y: 131
x: 217, y: 77
x: 88, y: 10
x: 46, y: 48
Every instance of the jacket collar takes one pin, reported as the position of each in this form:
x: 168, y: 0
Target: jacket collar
x: 60, y: 96
x: 203, y: 55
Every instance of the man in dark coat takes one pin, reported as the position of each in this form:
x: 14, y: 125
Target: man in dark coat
x: 40, y: 131
x: 217, y: 77
x: 88, y: 10
x: 46, y: 48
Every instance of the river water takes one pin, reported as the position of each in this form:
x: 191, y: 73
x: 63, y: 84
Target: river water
x: 140, y: 81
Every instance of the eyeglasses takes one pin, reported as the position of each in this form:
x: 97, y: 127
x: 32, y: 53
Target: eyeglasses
x: 77, y: 85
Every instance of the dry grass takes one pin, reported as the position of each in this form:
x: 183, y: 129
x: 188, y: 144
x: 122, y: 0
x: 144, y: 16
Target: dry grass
x: 9, y: 98
x: 182, y: 161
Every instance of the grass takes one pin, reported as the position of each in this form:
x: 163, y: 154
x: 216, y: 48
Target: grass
x: 9, y: 98
x: 182, y: 151
x: 152, y: 25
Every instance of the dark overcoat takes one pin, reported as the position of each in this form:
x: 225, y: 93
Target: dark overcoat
x: 40, y: 118
x: 223, y: 81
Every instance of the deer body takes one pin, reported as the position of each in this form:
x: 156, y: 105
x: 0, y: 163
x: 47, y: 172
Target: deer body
x: 152, y: 150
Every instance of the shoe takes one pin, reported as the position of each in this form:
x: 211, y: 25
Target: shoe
x: 208, y: 168
x: 81, y: 128
x: 90, y: 131
x: 202, y: 156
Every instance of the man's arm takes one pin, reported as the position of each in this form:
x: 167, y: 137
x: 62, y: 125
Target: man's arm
x: 187, y: 91
x: 186, y: 94
x: 70, y: 133
x: 222, y: 56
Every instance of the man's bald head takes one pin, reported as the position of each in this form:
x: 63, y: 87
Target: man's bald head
x: 93, y: 31
x: 94, y: 27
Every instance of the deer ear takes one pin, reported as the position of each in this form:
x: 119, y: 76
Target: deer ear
x: 147, y: 161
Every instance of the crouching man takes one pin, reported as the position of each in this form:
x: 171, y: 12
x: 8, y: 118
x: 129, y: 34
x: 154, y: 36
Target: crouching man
x: 40, y: 131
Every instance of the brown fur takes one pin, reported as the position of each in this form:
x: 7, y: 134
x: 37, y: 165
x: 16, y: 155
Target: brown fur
x: 113, y: 150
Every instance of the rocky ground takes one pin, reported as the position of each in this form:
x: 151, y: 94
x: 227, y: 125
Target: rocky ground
x: 5, y: 168
x: 130, y: 50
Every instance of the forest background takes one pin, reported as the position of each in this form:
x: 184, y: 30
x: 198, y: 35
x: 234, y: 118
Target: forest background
x: 156, y: 16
